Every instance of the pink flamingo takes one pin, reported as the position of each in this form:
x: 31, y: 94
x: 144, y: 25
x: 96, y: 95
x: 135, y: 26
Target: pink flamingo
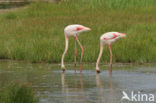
x: 73, y: 31
x: 108, y: 38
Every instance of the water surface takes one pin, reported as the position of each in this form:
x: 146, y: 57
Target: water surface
x: 53, y: 86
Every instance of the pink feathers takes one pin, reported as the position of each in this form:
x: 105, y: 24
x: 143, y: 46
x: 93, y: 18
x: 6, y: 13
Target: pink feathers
x: 112, y: 37
x: 79, y: 28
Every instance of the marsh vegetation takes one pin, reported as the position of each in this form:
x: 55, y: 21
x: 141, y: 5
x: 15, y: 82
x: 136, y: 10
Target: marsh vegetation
x: 17, y: 93
x: 35, y: 33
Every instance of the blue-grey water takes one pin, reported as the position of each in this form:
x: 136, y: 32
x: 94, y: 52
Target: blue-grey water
x: 53, y: 86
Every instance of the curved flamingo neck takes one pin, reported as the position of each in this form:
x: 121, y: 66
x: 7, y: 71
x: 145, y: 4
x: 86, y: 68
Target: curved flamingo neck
x: 99, y: 57
x: 65, y: 51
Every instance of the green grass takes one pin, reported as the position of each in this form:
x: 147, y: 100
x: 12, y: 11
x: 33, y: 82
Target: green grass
x: 14, y: 93
x: 35, y: 33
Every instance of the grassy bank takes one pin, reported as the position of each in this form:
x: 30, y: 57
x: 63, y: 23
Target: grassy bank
x: 14, y: 93
x: 36, y: 33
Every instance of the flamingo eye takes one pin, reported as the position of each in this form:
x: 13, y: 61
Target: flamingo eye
x: 79, y: 28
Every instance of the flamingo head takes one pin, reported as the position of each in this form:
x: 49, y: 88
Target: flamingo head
x: 80, y: 29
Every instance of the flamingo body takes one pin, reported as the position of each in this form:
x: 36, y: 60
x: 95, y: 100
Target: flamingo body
x: 110, y: 37
x: 107, y: 39
x: 73, y: 31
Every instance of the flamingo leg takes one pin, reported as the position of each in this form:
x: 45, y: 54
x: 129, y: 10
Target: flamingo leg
x: 111, y: 55
x: 75, y: 55
x: 82, y: 51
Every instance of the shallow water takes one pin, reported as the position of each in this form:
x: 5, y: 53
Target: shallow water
x: 53, y: 86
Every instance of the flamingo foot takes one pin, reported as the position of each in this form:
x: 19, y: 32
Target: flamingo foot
x: 63, y: 69
x: 98, y: 71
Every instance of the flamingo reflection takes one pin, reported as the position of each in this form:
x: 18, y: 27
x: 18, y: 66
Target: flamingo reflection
x: 104, y: 94
x: 77, y: 92
x: 64, y: 87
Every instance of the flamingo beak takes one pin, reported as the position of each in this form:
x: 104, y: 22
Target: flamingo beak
x: 123, y: 34
x: 88, y: 29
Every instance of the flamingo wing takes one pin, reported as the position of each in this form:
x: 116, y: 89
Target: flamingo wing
x: 110, y: 36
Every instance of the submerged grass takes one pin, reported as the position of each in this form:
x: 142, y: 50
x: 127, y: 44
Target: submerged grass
x: 14, y: 93
x: 36, y: 33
